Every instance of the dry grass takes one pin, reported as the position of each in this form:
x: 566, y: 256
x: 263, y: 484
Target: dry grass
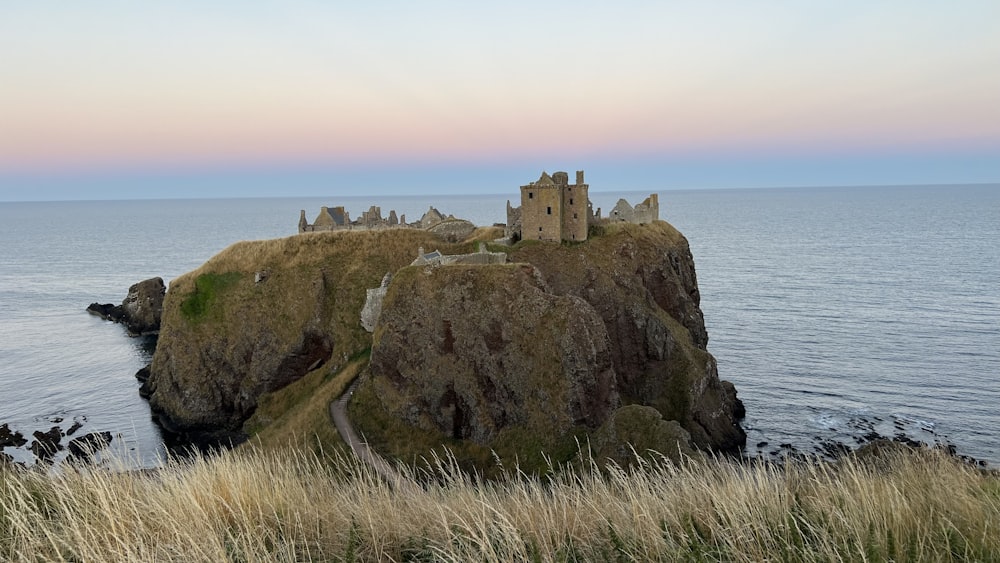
x: 267, y: 506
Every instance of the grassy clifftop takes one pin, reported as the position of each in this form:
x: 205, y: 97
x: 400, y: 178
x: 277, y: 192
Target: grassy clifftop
x: 262, y: 314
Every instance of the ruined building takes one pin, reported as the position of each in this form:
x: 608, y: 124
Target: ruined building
x: 554, y: 210
x: 551, y: 209
x: 645, y: 212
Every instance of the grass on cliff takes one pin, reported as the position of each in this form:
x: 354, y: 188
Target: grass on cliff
x: 297, y: 416
x: 268, y: 506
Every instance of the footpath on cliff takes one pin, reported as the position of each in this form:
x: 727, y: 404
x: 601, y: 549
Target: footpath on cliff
x: 361, y: 449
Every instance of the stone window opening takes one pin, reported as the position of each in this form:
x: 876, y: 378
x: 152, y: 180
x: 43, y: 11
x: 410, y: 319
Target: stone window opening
x: 548, y: 210
x: 531, y: 195
x: 571, y: 201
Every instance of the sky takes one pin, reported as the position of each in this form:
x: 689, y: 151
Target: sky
x: 115, y: 99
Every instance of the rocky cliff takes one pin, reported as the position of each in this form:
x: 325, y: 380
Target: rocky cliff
x: 567, y: 342
x: 141, y: 309
x: 260, y: 315
x: 597, y: 340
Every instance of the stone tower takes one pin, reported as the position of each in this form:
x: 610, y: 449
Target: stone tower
x: 554, y: 210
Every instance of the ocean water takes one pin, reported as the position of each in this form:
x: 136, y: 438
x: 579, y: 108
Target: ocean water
x: 836, y: 312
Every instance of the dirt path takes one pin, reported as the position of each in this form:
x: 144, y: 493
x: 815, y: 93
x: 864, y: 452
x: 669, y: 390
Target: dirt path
x: 338, y: 411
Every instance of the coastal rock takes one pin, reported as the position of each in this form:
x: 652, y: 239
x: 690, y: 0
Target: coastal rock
x: 641, y: 281
x: 522, y: 356
x: 470, y: 352
x: 46, y: 444
x: 143, y: 306
x: 87, y: 445
x: 10, y: 438
x: 141, y: 310
x: 226, y: 340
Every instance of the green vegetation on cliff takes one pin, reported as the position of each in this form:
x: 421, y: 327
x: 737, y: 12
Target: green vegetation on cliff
x: 206, y: 288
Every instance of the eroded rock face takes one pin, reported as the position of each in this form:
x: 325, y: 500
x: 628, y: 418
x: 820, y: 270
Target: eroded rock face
x: 635, y: 431
x: 143, y: 306
x: 468, y: 351
x: 141, y: 310
x: 203, y: 391
x: 641, y: 281
x: 228, y: 337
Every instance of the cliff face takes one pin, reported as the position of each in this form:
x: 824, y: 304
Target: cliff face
x: 641, y: 281
x: 260, y: 315
x: 550, y: 347
x: 470, y: 351
x: 599, y: 339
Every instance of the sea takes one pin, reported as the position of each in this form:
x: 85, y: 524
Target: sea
x: 836, y: 312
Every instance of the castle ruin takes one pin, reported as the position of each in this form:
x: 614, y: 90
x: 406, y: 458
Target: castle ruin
x: 337, y: 219
x: 551, y: 209
x: 554, y: 210
x: 645, y: 212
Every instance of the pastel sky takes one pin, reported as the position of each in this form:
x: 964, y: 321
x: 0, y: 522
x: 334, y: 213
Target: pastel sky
x: 110, y: 99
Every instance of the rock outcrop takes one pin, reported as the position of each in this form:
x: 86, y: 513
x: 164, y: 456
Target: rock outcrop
x: 10, y: 437
x: 470, y: 351
x: 599, y: 339
x: 226, y: 339
x: 641, y: 281
x: 84, y: 447
x: 141, y: 310
x: 465, y: 352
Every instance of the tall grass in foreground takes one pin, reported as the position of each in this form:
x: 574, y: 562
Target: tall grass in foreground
x: 268, y: 506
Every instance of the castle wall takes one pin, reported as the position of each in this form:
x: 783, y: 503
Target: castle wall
x: 541, y: 212
x: 575, y: 204
x: 647, y: 211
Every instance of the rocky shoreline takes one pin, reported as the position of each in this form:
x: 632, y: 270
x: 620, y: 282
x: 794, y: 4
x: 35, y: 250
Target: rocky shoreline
x: 141, y: 309
x: 47, y: 445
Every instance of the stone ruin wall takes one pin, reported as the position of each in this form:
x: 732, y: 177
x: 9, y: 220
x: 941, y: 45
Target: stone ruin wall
x: 645, y: 212
x: 373, y: 297
x: 337, y: 218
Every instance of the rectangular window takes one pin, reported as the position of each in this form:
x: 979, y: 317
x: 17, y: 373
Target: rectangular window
x: 539, y: 229
x: 531, y: 195
x: 548, y: 210
x: 574, y: 215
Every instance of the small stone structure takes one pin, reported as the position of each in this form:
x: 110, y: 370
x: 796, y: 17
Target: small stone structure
x: 554, y: 210
x: 337, y: 218
x: 373, y: 304
x: 645, y: 212
x: 483, y: 256
x: 374, y: 296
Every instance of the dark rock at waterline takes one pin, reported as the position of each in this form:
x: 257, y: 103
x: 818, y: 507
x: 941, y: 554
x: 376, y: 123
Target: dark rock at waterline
x: 46, y: 444
x: 87, y: 445
x: 107, y: 311
x: 143, y: 374
x: 141, y: 310
x: 10, y: 438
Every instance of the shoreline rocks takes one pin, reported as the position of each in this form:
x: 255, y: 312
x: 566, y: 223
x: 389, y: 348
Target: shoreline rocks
x: 141, y: 309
